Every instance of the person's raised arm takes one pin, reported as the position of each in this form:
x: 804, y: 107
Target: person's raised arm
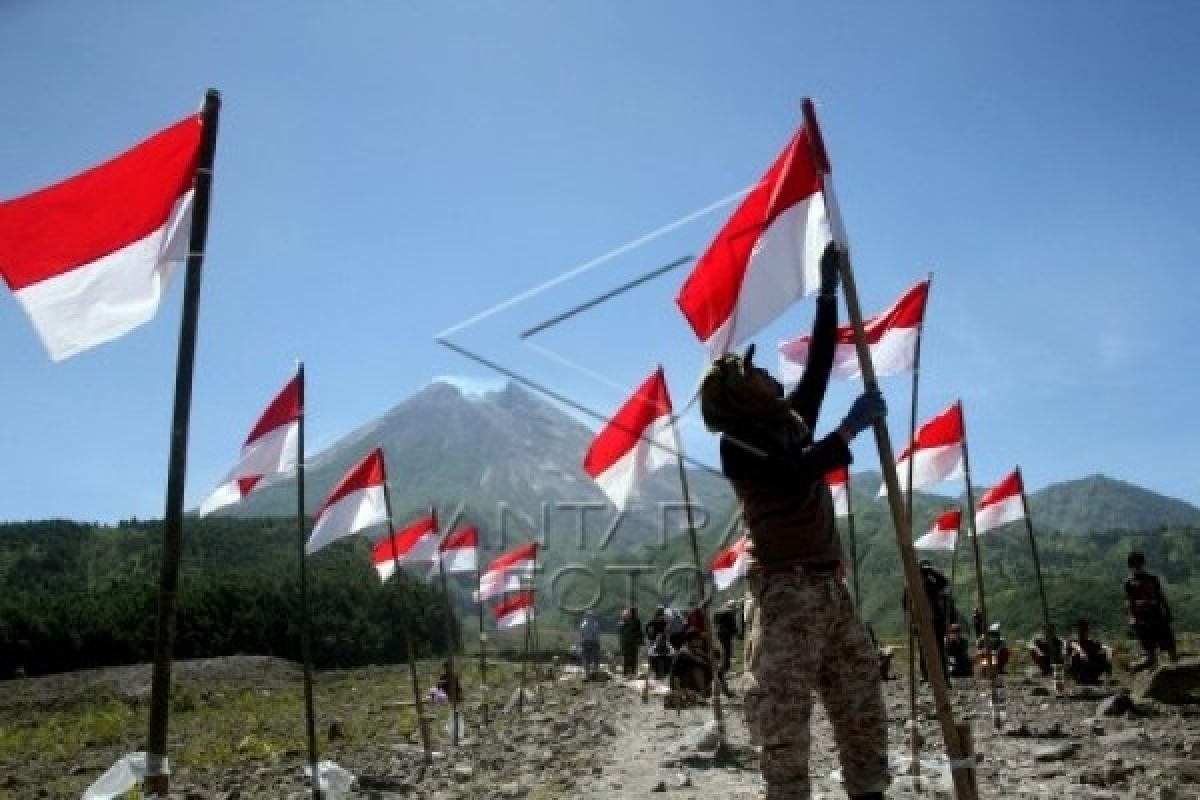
x: 805, y: 399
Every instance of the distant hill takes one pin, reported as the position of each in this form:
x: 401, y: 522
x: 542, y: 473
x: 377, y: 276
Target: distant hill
x: 1099, y: 503
x: 510, y: 458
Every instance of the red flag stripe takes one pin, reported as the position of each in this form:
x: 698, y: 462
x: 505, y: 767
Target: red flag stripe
x: 710, y: 295
x: 97, y: 212
x: 363, y: 475
x: 622, y: 434
x: 513, y: 602
x: 462, y: 539
x: 283, y: 409
x: 949, y: 521
x: 942, y: 431
x: 519, y: 555
x: 1009, y: 487
x: 838, y: 477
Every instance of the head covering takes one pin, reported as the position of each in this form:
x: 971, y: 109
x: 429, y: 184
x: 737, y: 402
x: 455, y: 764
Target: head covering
x: 994, y: 627
x: 728, y: 400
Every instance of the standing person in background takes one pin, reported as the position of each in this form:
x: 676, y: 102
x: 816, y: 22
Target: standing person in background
x: 676, y: 627
x: 656, y: 625
x: 589, y: 643
x: 804, y: 632
x: 629, y: 632
x: 726, y: 623
x: 1149, y: 614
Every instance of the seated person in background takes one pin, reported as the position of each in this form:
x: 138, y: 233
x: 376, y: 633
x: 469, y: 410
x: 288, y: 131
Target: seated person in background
x: 1044, y: 655
x: 692, y: 668
x: 1087, y: 659
x: 958, y: 656
x: 659, y: 654
x: 998, y: 647
x: 448, y: 684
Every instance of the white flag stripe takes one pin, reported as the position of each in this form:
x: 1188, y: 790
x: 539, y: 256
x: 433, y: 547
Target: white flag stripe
x: 1009, y: 509
x: 227, y: 494
x: 621, y: 482
x: 937, y: 539
x: 98, y: 302
x: 841, y: 500
x: 460, y: 560
x: 496, y: 584
x: 356, y: 511
x: 515, y: 618
x: 931, y: 466
x: 893, y: 354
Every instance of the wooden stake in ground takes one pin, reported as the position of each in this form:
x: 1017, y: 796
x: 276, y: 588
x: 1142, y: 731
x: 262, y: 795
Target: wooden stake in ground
x: 157, y: 780
x: 310, y: 722
x: 451, y: 627
x: 915, y: 735
x: 399, y: 632
x: 1047, y: 626
x: 483, y: 687
x: 528, y: 634
x: 988, y: 655
x: 960, y: 767
x: 701, y: 577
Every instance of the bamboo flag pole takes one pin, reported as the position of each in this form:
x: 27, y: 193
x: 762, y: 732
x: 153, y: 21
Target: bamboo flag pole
x: 701, y: 574
x: 418, y: 705
x: 1047, y: 626
x: 528, y: 634
x: 961, y: 769
x: 853, y: 542
x: 310, y: 722
x: 456, y: 686
x: 483, y: 687
x: 914, y: 731
x: 989, y: 666
x: 157, y: 780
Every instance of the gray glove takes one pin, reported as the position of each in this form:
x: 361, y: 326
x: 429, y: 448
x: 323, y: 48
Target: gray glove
x: 830, y: 275
x: 868, y: 407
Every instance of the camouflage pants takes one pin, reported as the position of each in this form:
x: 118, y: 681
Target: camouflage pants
x: 804, y: 637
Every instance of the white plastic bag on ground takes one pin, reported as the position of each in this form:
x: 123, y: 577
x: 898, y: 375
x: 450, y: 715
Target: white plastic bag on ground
x: 516, y: 695
x: 120, y: 778
x: 462, y: 728
x: 334, y: 781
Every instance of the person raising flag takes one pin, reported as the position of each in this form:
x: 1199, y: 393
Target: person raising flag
x: 804, y: 631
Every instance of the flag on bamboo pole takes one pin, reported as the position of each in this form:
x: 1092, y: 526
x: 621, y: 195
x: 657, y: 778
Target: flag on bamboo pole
x: 415, y: 544
x: 514, y: 610
x: 937, y: 451
x: 356, y: 503
x: 508, y: 572
x: 766, y: 257
x: 638, y: 440
x: 731, y: 563
x: 838, y: 481
x: 459, y: 551
x: 89, y: 258
x: 891, y: 335
x: 270, y: 449
x: 944, y: 533
x: 1002, y: 504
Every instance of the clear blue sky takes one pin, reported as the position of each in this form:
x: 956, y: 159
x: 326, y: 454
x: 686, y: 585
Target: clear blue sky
x: 386, y: 170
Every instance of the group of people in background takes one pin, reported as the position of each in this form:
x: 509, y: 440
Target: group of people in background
x: 675, y: 644
x: 1086, y: 661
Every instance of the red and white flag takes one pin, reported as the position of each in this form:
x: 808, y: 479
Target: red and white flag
x: 639, y: 439
x: 357, y: 502
x: 1002, y: 504
x: 944, y: 533
x: 89, y: 258
x: 416, y: 544
x: 514, y: 610
x: 731, y: 563
x: 766, y: 257
x: 838, y: 482
x: 937, y: 451
x: 508, y: 572
x: 460, y: 550
x: 270, y: 449
x: 892, y: 337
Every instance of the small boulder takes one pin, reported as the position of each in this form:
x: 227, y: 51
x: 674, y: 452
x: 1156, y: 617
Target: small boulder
x: 1173, y: 684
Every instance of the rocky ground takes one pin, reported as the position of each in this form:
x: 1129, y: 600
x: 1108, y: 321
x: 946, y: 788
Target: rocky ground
x: 237, y: 724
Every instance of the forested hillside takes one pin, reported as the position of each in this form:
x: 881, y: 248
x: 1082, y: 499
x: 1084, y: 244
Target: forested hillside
x: 77, y: 595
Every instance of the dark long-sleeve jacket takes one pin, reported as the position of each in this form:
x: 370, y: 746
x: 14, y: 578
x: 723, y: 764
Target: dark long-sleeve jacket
x: 778, y: 473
